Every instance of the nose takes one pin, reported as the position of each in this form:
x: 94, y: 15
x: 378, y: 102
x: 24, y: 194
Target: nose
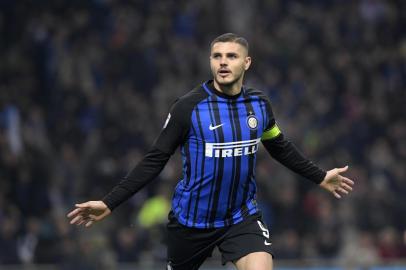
x: 223, y: 61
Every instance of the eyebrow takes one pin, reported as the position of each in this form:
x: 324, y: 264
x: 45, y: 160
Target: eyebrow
x: 227, y: 54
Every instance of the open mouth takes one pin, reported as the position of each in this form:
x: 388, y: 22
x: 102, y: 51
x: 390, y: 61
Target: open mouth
x: 224, y: 72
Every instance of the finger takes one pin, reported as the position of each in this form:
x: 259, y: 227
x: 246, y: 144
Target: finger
x: 81, y: 222
x: 335, y: 193
x: 343, y: 169
x: 89, y: 223
x: 74, y: 212
x: 346, y: 187
x: 347, y: 180
x: 76, y: 219
x: 342, y: 190
x: 83, y: 205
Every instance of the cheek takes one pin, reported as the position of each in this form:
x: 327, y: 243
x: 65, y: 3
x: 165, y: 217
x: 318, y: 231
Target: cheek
x: 213, y: 66
x: 238, y: 69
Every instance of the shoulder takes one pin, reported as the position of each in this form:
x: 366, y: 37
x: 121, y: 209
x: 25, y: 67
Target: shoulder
x: 185, y: 104
x: 253, y: 92
x: 194, y: 96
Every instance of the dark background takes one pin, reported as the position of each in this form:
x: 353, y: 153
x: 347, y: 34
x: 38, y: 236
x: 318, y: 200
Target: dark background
x: 85, y: 86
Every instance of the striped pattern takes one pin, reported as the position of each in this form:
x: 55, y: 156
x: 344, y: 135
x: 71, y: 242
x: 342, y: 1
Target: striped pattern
x: 218, y: 185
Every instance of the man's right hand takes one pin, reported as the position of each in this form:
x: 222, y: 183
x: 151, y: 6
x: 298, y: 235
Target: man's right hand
x: 88, y: 213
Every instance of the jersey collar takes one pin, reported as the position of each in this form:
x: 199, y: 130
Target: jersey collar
x: 208, y: 86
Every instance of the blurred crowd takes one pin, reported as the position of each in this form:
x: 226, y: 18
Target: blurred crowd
x: 85, y: 86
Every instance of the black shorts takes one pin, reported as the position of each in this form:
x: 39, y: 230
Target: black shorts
x: 189, y: 247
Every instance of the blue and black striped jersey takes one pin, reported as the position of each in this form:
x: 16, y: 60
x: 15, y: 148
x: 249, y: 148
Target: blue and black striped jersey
x: 219, y: 136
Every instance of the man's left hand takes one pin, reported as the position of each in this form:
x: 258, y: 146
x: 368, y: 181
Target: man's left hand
x: 336, y: 183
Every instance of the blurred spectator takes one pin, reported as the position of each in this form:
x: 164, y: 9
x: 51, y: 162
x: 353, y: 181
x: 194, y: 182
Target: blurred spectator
x: 290, y: 247
x: 360, y: 250
x: 8, y: 243
x: 389, y: 244
x: 128, y: 245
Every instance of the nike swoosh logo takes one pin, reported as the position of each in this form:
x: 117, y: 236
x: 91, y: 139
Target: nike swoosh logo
x: 267, y: 243
x: 213, y: 128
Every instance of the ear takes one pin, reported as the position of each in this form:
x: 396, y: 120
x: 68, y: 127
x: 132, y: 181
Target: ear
x: 247, y: 63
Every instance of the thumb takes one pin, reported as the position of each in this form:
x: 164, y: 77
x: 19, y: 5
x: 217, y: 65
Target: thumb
x: 83, y: 205
x: 343, y: 169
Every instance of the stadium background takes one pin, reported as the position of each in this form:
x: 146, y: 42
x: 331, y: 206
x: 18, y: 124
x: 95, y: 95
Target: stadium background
x: 86, y: 85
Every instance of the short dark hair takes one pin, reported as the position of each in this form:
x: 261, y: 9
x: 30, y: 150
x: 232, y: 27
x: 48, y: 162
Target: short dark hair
x: 230, y: 37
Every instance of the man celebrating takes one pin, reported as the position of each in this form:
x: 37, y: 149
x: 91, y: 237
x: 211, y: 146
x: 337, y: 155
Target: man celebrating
x: 218, y: 126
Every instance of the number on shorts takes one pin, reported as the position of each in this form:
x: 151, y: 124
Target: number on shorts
x: 265, y: 232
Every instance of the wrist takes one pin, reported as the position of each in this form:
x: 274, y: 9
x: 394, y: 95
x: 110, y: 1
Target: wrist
x: 107, y: 205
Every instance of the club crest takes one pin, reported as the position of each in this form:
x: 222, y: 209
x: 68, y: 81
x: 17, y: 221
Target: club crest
x: 252, y: 122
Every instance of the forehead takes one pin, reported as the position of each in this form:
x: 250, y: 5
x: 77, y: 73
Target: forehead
x: 228, y: 47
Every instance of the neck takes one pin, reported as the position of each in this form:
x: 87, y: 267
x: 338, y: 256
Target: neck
x: 230, y: 90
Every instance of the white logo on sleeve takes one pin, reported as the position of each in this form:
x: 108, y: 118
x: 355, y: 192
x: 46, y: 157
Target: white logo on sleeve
x: 167, y: 121
x: 213, y: 128
x: 265, y: 232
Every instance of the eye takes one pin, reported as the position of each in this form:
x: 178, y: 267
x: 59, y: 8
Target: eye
x: 232, y: 56
x: 216, y: 56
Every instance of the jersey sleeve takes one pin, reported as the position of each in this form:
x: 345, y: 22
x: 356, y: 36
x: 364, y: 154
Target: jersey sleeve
x: 175, y: 129
x: 286, y: 152
x: 145, y: 171
x: 173, y: 134
x: 272, y: 130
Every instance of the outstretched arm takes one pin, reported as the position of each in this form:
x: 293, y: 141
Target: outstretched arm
x: 286, y: 153
x: 92, y: 211
x: 172, y: 135
x: 147, y: 170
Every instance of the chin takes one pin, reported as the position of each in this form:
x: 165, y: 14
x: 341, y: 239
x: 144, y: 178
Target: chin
x: 226, y: 81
